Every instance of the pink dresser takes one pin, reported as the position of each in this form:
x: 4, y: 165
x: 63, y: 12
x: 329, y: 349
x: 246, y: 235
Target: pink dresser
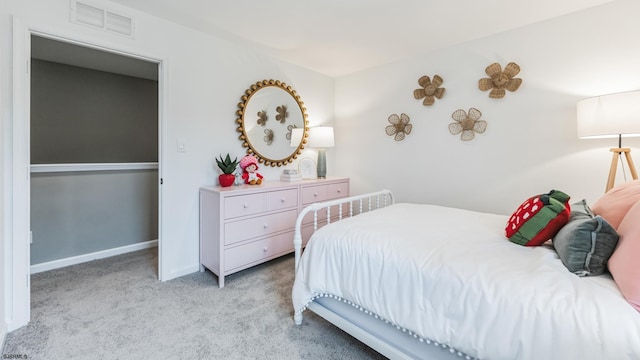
x: 242, y: 226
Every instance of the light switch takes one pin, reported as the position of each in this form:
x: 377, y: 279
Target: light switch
x: 182, y: 146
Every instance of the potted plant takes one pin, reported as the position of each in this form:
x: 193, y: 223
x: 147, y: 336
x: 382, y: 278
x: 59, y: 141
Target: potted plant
x: 227, y: 166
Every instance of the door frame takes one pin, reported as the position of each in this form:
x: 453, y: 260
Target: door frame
x: 19, y: 298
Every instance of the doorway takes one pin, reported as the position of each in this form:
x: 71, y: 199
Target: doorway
x: 18, y: 301
x: 93, y: 154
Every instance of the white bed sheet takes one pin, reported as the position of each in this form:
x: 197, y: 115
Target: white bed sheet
x: 450, y: 276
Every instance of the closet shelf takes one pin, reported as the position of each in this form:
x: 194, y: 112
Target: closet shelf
x: 50, y: 168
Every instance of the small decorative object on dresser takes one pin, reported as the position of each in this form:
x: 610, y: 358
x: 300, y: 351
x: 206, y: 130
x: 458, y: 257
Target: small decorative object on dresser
x: 249, y: 165
x: 290, y: 175
x: 228, y: 167
x: 307, y: 168
x: 243, y: 226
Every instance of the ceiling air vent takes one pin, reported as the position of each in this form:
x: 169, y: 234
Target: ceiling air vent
x: 88, y: 14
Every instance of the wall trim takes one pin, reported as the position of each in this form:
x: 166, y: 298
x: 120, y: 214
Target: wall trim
x: 182, y: 272
x: 3, y: 336
x: 56, y: 264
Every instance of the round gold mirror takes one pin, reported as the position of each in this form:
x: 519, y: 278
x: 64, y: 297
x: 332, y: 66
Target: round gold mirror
x: 267, y: 115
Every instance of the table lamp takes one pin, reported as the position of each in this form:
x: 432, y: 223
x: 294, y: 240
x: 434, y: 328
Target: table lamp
x: 321, y: 137
x: 613, y: 115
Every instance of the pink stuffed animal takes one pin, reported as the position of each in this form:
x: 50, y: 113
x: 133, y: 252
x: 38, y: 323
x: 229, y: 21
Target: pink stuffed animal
x: 249, y: 165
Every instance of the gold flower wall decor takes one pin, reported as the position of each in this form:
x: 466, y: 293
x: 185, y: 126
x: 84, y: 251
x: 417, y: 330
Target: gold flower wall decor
x: 262, y: 117
x: 268, y: 136
x: 500, y: 80
x: 467, y: 124
x: 399, y: 127
x: 430, y: 90
x: 282, y: 113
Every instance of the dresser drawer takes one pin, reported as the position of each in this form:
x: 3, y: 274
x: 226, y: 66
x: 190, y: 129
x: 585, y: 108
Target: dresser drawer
x: 337, y: 190
x: 283, y: 199
x: 258, y: 250
x: 244, y: 205
x: 311, y: 194
x: 237, y: 231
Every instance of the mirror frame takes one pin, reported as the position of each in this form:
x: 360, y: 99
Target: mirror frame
x: 244, y: 137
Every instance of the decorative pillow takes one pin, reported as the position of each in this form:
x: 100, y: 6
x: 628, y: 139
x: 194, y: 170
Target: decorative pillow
x: 580, y: 210
x: 616, y: 202
x: 585, y: 244
x: 539, y: 218
x: 624, y: 264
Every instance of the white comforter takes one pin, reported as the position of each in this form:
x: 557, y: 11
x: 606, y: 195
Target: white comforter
x: 451, y: 276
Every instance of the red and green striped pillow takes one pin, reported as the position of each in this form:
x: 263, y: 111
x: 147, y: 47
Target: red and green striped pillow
x: 539, y: 218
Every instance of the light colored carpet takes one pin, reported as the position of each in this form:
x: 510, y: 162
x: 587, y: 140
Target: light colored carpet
x: 116, y: 308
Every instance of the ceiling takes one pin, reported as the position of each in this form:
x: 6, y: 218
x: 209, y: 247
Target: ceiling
x: 338, y: 37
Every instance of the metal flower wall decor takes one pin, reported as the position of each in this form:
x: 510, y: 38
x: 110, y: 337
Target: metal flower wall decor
x: 281, y: 117
x: 262, y: 117
x: 467, y: 124
x: 282, y: 113
x: 430, y: 90
x: 500, y: 80
x: 399, y: 127
x: 268, y: 136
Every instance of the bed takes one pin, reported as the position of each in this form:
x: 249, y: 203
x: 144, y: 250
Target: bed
x: 417, y: 281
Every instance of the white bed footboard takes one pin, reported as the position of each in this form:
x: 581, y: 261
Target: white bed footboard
x: 382, y: 336
x: 357, y: 204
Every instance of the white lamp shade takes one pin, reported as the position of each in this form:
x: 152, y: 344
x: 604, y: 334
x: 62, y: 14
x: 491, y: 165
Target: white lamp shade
x: 296, y: 137
x: 609, y: 115
x: 321, y: 137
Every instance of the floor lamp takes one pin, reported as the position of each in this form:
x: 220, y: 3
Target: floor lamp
x: 614, y: 115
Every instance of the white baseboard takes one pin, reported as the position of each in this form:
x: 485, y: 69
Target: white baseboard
x: 181, y: 272
x: 56, y: 264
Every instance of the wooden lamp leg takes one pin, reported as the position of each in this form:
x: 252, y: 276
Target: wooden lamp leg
x: 614, y: 166
x: 632, y: 169
x: 612, y: 171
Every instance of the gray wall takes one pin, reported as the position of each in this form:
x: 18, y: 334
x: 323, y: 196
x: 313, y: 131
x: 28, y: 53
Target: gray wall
x: 80, y: 115
x: 79, y: 213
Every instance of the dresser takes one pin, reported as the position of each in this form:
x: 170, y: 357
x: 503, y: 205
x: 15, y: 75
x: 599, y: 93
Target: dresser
x: 246, y: 225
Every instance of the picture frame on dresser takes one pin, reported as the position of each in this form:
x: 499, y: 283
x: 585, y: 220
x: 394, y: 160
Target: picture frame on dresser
x: 307, y: 168
x: 243, y: 226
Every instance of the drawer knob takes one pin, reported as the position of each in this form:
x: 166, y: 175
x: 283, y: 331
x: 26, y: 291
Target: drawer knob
x: 266, y: 225
x: 245, y: 206
x: 339, y: 191
x: 265, y: 249
x: 283, y: 200
x: 315, y: 194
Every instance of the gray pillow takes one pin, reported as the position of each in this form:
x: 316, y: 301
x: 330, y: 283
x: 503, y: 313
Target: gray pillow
x: 585, y: 244
x: 580, y: 210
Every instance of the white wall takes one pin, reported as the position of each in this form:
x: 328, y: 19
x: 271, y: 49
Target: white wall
x: 205, y: 77
x: 530, y: 145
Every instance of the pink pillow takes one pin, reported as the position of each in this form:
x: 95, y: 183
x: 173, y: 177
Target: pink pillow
x: 624, y: 264
x: 613, y: 205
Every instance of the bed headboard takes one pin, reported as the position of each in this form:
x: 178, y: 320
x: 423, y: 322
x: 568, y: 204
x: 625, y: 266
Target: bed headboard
x: 357, y: 204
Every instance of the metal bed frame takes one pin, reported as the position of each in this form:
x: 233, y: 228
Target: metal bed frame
x: 386, y: 338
